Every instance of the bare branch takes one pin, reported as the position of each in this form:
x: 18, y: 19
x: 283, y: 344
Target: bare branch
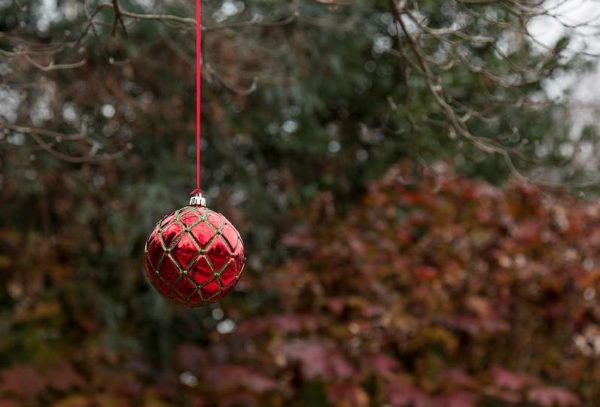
x: 118, y: 18
x: 40, y: 136
x: 52, y: 66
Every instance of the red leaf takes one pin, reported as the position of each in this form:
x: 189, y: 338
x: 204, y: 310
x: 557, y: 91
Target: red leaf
x: 347, y: 395
x: 317, y: 360
x: 458, y: 378
x: 401, y: 392
x: 425, y: 273
x: 381, y: 364
x: 511, y: 381
x: 286, y: 324
x: 22, y: 381
x: 474, y: 325
x: 63, y: 377
x: 460, y: 399
x: 527, y: 232
x: 553, y: 396
x: 229, y: 378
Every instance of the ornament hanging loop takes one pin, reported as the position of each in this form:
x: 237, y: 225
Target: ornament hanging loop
x: 197, y: 199
x: 196, y: 196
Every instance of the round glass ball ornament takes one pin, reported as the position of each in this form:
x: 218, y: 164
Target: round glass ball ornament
x: 194, y: 256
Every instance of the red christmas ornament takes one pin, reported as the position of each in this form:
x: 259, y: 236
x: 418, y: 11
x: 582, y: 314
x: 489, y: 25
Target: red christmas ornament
x: 194, y: 256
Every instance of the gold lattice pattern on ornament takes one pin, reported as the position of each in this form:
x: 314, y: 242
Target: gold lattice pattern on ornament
x: 194, y: 256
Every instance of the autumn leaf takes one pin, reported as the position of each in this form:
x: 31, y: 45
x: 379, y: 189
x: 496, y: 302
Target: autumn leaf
x: 508, y: 380
x: 400, y: 392
x: 22, y: 381
x: 347, y: 395
x: 110, y: 400
x: 75, y: 400
x: 317, y: 359
x: 381, y: 364
x: 460, y: 399
x: 63, y: 377
x: 230, y: 377
x: 553, y: 396
x: 425, y: 273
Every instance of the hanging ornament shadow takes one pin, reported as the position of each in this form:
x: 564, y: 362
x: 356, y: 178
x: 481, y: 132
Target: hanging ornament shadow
x: 194, y: 256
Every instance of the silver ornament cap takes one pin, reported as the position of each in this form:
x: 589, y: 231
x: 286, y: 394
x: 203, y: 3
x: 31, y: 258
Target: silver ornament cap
x: 197, y: 200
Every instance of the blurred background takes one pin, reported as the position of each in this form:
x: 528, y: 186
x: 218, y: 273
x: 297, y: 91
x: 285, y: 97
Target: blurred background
x: 415, y: 181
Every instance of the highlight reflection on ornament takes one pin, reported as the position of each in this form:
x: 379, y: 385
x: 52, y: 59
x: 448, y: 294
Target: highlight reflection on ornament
x: 194, y: 256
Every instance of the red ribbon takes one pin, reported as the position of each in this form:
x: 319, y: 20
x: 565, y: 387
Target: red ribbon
x: 198, y: 90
